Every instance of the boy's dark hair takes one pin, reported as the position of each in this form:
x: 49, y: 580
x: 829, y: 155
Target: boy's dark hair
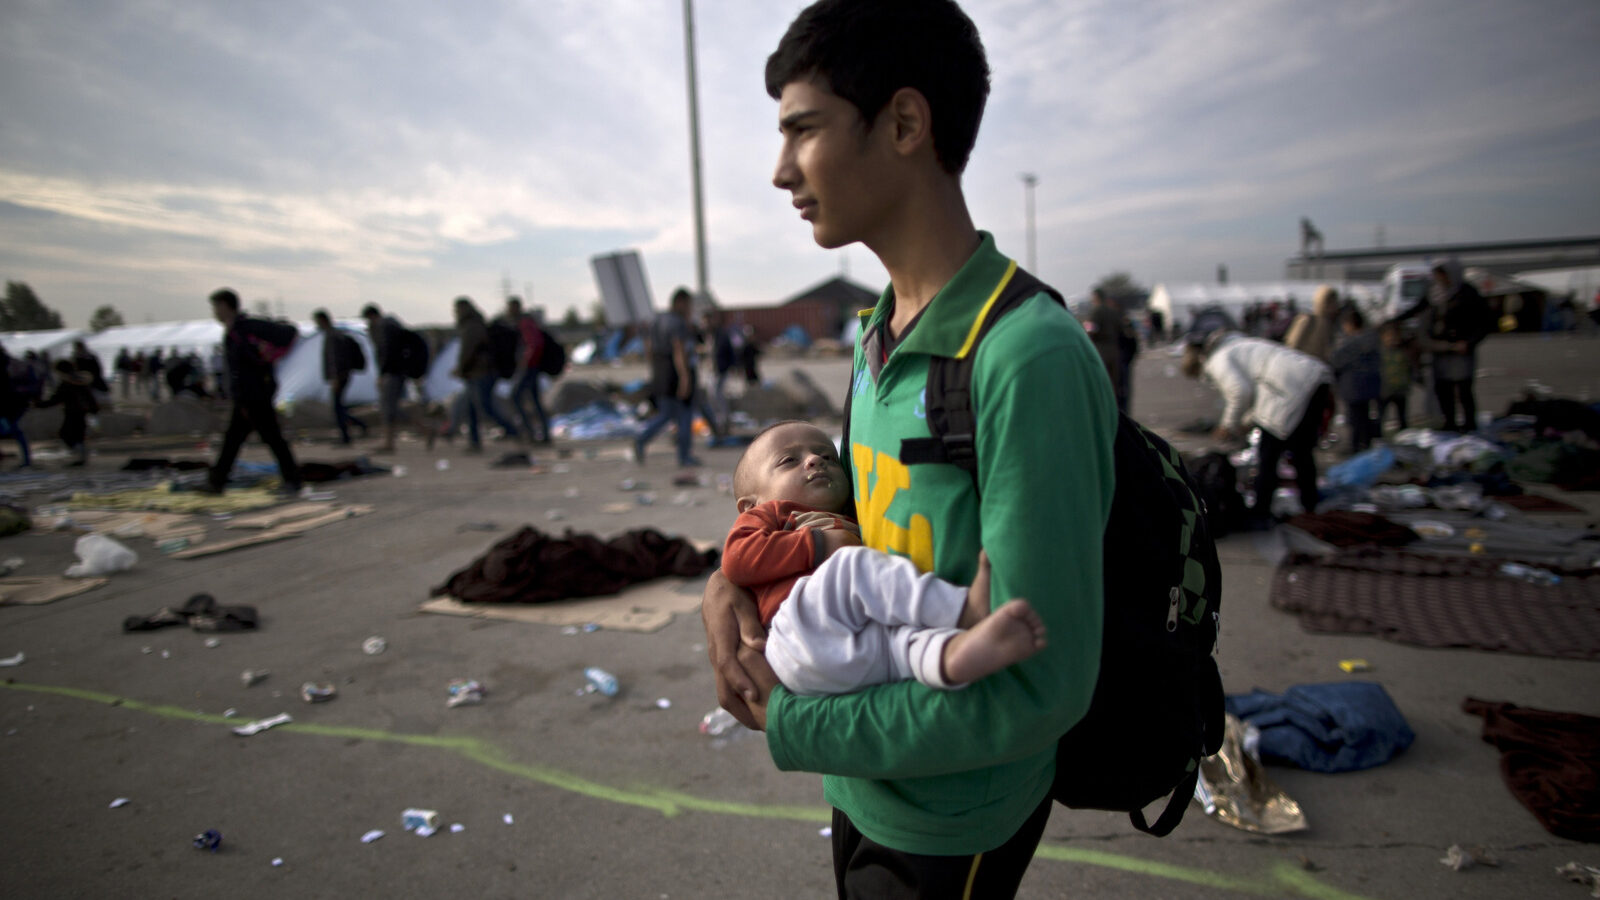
x: 321, y: 315
x: 226, y: 297
x: 865, y: 50
x: 371, y: 310
x: 1352, y: 316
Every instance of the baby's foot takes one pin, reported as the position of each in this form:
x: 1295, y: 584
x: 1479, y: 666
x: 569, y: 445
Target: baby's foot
x: 1008, y: 635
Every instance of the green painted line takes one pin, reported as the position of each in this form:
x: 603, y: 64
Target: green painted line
x: 1284, y: 880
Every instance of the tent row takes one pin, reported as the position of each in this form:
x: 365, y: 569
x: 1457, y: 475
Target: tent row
x: 1178, y: 303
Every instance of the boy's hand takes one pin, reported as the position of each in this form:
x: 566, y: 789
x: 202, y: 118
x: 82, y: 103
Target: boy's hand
x: 734, y: 640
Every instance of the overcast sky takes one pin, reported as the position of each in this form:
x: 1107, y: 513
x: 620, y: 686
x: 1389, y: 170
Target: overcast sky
x: 404, y: 152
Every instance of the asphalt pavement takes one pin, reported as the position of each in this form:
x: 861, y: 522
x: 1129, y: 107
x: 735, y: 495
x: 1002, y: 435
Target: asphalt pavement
x: 566, y: 794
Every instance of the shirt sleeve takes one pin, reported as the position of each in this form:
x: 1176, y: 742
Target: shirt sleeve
x: 1046, y: 424
x: 760, y: 550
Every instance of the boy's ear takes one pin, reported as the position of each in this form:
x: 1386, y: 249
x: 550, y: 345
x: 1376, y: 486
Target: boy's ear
x: 746, y: 504
x: 910, y: 120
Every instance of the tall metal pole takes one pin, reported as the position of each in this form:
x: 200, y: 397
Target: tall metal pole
x: 1028, y: 181
x: 694, y: 152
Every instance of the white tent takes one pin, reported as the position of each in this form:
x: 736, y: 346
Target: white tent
x: 1178, y: 303
x: 57, y: 343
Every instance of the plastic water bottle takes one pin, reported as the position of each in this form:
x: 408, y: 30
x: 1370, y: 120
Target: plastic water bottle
x: 1530, y: 574
x: 718, y: 722
x: 601, y: 680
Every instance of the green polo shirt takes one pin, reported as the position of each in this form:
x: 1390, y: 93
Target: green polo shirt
x: 957, y: 772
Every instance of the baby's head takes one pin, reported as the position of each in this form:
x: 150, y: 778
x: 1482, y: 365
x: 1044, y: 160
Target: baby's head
x: 794, y: 461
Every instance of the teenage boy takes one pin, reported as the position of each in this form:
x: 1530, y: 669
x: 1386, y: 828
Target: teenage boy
x: 934, y: 793
x: 251, y: 346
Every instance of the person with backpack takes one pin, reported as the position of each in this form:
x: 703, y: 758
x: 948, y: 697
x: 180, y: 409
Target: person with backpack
x: 341, y: 356
x: 878, y: 107
x: 402, y: 354
x: 252, y: 347
x: 530, y: 365
x: 75, y: 394
x: 475, y: 366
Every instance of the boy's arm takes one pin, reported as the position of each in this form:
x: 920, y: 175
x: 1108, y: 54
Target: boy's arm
x: 1043, y: 513
x: 759, y: 549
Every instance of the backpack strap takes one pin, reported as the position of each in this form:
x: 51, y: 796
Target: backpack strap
x: 949, y: 395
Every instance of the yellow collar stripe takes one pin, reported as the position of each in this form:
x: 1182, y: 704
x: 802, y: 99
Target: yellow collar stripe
x: 977, y: 323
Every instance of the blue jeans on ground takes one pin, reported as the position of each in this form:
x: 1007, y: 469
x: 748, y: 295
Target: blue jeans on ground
x: 480, y: 393
x: 671, y: 409
x: 528, y: 384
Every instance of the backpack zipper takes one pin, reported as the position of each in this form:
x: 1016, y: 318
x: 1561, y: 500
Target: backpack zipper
x: 1174, y: 597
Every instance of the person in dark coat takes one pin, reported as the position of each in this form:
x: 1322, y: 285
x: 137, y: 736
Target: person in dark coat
x: 341, y: 357
x: 13, y: 403
x: 1357, y: 361
x: 74, y: 393
x: 251, y: 346
x: 1452, y: 328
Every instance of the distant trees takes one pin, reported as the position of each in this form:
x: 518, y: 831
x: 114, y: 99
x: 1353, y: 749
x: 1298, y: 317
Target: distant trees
x: 1123, y: 290
x: 105, y: 317
x: 22, y: 311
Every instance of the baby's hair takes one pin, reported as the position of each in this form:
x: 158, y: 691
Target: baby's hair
x: 739, y: 474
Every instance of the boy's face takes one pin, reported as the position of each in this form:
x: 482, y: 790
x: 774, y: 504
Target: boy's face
x: 798, y: 463
x: 835, y: 171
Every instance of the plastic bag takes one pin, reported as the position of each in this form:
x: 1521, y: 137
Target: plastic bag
x: 100, y: 555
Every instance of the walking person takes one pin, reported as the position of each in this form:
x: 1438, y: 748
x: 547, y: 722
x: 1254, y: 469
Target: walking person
x: 75, y: 394
x: 14, y: 401
x: 341, y: 357
x: 252, y: 346
x: 672, y: 379
x: 1452, y: 328
x: 529, y: 368
x: 475, y: 367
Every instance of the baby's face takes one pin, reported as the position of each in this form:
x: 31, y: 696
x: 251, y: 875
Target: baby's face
x: 798, y: 463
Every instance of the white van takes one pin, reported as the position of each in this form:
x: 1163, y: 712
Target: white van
x: 1404, y: 285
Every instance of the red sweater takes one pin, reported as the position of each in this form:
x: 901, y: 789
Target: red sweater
x: 772, y: 545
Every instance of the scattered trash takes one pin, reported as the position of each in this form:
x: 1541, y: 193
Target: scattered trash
x: 686, y: 479
x: 442, y: 465
x: 399, y: 471
x: 14, y: 660
x: 718, y: 722
x: 465, y: 692
x: 318, y: 495
x: 571, y: 493
x: 229, y: 713
x: 261, y: 725
x: 317, y: 693
x: 250, y: 677
x: 100, y: 555
x: 277, y: 860
x: 600, y: 680
x: 173, y: 545
x: 555, y: 515
x: 506, y: 818
x: 1530, y: 574
x: 374, y: 645
x: 477, y: 526
x: 210, y: 839
x: 457, y: 828
x: 663, y: 703
x: 825, y: 831
x: 1588, y: 876
x: 213, y: 643
x: 633, y: 484
x: 166, y: 654
x: 412, y: 819
x: 1433, y: 531
x: 10, y: 565
x: 201, y: 613
x: 1355, y: 665
x: 1459, y: 857
x: 120, y: 801
x: 371, y: 836
x: 146, y: 650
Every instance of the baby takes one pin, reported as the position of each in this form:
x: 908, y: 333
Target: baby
x: 843, y: 616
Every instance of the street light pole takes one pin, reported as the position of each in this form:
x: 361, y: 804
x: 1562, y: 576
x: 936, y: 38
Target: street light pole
x: 694, y: 152
x: 1028, y: 181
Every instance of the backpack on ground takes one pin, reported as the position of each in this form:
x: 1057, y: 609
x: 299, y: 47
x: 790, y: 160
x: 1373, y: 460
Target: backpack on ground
x: 553, y: 359
x: 413, y: 354
x: 1157, y: 709
x: 504, y: 343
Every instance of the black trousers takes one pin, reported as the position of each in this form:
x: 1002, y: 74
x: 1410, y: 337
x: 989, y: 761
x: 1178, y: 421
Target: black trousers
x: 256, y: 415
x: 864, y: 868
x: 1447, y: 392
x: 1301, y: 446
x: 1363, y: 428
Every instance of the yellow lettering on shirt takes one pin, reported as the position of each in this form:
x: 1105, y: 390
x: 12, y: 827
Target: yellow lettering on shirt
x: 878, y: 479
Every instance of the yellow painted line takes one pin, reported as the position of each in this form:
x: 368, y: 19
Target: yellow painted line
x: 1283, y: 880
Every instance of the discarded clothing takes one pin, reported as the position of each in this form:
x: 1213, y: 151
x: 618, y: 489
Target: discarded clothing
x: 147, y: 463
x: 318, y: 472
x: 201, y: 612
x: 1551, y: 763
x: 533, y: 567
x: 1441, y: 601
x: 1337, y: 727
x: 1344, y: 528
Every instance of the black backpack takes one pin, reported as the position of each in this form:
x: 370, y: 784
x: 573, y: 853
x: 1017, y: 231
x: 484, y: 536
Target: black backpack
x: 503, y: 345
x: 554, y: 358
x: 1157, y: 709
x: 350, y: 353
x: 413, y: 354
